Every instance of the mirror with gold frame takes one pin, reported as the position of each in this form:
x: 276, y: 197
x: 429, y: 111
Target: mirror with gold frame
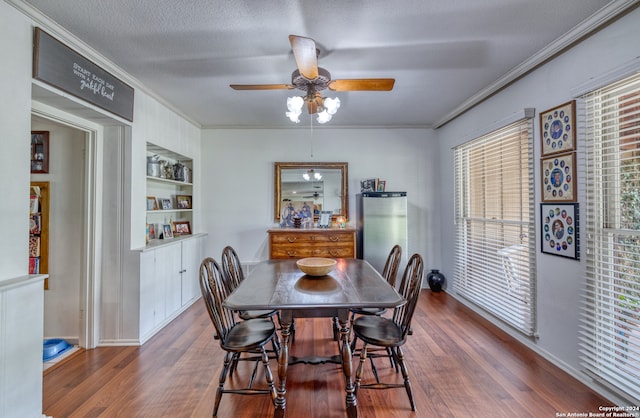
x: 306, y: 189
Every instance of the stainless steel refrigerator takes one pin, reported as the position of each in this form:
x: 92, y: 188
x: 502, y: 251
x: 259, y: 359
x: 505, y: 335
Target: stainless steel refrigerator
x: 381, y: 224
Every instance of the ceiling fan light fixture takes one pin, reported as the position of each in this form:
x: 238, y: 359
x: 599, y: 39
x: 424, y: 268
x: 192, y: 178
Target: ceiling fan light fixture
x: 332, y: 105
x: 294, y: 104
x: 324, y: 117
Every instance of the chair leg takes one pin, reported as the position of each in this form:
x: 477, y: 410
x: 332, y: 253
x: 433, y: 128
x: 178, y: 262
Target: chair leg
x: 405, y: 375
x: 363, y: 358
x: 223, y: 377
x: 269, y: 376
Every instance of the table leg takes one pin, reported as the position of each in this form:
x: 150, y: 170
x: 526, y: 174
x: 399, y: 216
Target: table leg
x: 351, y: 402
x: 283, y: 362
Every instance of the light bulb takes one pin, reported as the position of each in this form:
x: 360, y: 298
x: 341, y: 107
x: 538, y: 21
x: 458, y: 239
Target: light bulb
x: 295, y: 103
x: 332, y: 105
x: 324, y: 117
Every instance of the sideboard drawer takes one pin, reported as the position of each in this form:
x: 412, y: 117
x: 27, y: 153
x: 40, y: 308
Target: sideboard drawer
x: 286, y: 243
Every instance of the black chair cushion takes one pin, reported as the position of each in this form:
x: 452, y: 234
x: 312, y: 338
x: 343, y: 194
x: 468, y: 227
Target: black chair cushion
x: 378, y: 331
x: 247, y: 335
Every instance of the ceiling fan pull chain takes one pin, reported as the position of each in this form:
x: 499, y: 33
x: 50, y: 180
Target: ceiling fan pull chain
x: 311, y: 134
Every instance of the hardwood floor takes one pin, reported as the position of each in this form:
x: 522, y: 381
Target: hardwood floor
x: 460, y: 366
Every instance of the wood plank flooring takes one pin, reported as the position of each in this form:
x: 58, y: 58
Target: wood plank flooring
x: 460, y: 366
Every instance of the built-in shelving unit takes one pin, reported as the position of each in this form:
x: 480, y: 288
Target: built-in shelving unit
x: 169, y: 192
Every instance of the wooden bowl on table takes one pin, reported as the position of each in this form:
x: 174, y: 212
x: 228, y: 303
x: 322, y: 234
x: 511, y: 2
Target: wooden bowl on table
x: 316, y: 266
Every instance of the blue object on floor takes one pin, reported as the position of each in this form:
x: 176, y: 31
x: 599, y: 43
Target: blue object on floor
x: 53, y: 348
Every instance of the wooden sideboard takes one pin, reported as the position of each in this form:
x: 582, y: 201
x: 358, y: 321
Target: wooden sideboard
x: 316, y: 242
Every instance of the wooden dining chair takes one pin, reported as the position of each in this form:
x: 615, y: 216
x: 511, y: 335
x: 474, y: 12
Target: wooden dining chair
x: 379, y: 331
x: 390, y: 274
x: 236, y: 337
x: 234, y: 275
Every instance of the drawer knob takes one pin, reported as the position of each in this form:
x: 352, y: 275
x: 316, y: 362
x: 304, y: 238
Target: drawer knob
x: 291, y: 253
x: 334, y: 253
x: 292, y: 239
x: 334, y: 238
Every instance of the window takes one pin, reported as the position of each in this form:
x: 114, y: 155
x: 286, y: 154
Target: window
x: 495, y: 224
x: 610, y: 335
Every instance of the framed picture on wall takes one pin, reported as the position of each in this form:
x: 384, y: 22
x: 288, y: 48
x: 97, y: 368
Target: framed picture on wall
x: 558, y: 129
x: 559, y: 178
x: 560, y: 234
x: 39, y: 151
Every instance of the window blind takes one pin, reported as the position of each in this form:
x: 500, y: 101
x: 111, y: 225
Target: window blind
x: 494, y: 224
x: 610, y: 329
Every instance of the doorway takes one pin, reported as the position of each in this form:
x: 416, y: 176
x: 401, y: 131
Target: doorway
x: 64, y: 305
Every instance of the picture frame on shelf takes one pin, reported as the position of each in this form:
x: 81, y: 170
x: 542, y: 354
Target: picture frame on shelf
x: 368, y: 185
x: 182, y: 228
x: 40, y: 152
x: 558, y: 129
x: 560, y: 234
x: 167, y: 233
x: 183, y: 201
x: 382, y: 184
x: 559, y: 183
x: 324, y: 221
x: 152, y: 203
x: 165, y: 204
x: 152, y: 231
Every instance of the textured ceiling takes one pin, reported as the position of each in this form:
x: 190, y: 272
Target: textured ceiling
x: 441, y: 52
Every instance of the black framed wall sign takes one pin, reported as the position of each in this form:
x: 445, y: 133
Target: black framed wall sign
x: 59, y: 66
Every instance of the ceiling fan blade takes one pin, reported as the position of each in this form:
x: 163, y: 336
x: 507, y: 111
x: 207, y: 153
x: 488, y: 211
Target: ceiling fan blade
x: 376, y: 84
x: 261, y: 86
x: 306, y: 55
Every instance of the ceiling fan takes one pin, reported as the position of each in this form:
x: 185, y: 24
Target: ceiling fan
x: 312, y: 79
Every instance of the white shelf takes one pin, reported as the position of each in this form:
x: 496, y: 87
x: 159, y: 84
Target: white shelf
x: 168, y: 210
x: 169, y: 181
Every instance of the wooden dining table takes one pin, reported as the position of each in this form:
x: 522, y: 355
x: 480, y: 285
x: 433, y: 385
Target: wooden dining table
x: 280, y: 285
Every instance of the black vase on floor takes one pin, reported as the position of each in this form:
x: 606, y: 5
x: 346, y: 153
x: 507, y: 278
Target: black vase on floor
x: 436, y: 280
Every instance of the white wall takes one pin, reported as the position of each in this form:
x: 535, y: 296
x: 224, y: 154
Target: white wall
x: 21, y: 303
x: 560, y: 280
x: 237, y: 180
x: 65, y: 177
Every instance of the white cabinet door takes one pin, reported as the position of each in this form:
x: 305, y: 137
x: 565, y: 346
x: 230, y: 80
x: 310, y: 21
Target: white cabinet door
x: 168, y: 266
x: 191, y: 258
x: 151, y: 294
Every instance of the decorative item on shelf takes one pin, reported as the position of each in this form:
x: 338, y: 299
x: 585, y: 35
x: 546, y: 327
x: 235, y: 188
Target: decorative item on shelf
x: 152, y: 231
x: 166, y: 170
x: 324, y: 221
x: 152, y: 203
x: 342, y: 221
x: 380, y: 187
x: 165, y: 204
x: 368, y: 185
x: 167, y: 233
x: 182, y: 228
x: 153, y: 165
x: 297, y: 222
x: 178, y: 171
x: 183, y: 201
x: 436, y: 280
